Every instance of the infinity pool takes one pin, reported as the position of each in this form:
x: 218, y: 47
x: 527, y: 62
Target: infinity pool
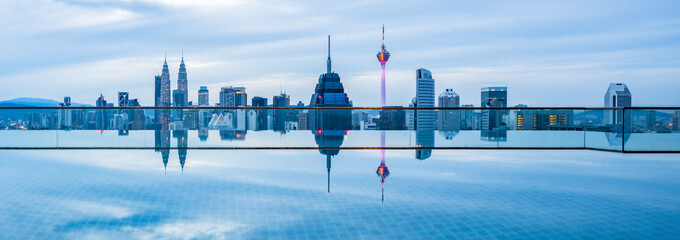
x: 283, y: 194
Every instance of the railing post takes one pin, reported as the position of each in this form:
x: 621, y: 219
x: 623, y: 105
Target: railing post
x: 623, y: 129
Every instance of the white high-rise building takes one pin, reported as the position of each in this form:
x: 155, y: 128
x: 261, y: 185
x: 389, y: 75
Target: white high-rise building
x: 617, y: 96
x: 424, y: 98
x: 424, y: 119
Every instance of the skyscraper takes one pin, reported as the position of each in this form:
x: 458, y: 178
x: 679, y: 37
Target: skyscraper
x: 182, y: 83
x: 424, y: 119
x: 64, y: 116
x: 136, y: 116
x: 329, y: 126
x: 261, y: 114
x: 102, y: 116
x: 280, y: 115
x: 177, y: 98
x: 329, y: 92
x: 203, y: 96
x: 123, y: 99
x: 259, y: 101
x: 157, y: 92
x: 165, y: 86
x: 493, y: 97
x: 233, y: 97
x: 424, y: 98
x: 617, y: 96
x: 448, y: 120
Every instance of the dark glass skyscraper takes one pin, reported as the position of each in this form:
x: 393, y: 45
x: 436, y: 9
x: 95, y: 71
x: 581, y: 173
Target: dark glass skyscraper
x: 102, y: 116
x: 157, y: 90
x: 123, y: 99
x: 329, y: 92
x: 329, y: 126
x: 262, y: 114
x: 280, y: 115
x: 493, y: 97
x: 182, y: 84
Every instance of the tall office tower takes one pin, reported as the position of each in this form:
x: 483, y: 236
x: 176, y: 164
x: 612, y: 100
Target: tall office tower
x: 64, y: 116
x: 182, y: 82
x: 424, y: 98
x: 261, y: 114
x: 203, y: 114
x: 448, y: 120
x: 101, y: 117
x: 280, y: 115
x: 424, y: 119
x: 177, y: 98
x: 467, y: 122
x: 136, y: 116
x: 617, y: 96
x: 157, y: 98
x: 329, y: 92
x: 157, y: 90
x: 329, y: 126
x: 165, y: 86
x: 651, y: 120
x: 259, y: 101
x: 123, y: 99
x: 493, y: 97
x: 233, y: 97
x: 203, y: 96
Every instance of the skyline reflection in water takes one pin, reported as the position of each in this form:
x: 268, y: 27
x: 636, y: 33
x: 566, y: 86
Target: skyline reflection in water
x: 283, y: 194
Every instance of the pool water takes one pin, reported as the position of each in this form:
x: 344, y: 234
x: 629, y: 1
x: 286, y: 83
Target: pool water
x: 284, y: 194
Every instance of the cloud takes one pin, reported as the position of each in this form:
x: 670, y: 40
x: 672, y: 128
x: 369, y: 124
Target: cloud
x: 193, y: 229
x: 43, y: 17
x: 88, y: 209
x: 80, y: 48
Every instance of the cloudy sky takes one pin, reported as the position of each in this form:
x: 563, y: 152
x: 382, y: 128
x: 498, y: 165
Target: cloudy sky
x: 548, y: 53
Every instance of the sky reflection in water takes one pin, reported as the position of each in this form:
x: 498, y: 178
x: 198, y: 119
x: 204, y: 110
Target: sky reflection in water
x: 283, y: 194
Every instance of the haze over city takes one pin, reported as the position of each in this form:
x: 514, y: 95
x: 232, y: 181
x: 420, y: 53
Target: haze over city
x: 547, y: 54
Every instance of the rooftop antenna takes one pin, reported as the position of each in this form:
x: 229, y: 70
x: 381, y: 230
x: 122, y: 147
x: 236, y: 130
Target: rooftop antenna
x: 328, y: 62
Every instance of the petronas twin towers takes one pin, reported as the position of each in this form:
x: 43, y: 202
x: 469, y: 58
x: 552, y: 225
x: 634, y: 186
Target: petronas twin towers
x: 180, y: 96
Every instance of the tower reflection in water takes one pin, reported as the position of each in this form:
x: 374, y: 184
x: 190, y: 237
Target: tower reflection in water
x: 329, y: 126
x: 382, y: 171
x: 162, y: 139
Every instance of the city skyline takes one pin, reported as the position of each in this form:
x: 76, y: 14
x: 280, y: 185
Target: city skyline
x: 466, y: 45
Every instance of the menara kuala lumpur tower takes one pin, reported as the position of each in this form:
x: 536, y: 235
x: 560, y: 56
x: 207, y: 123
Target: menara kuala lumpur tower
x: 383, y: 56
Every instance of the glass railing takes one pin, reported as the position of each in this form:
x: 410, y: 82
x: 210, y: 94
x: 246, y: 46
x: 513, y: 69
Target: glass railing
x: 423, y: 129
